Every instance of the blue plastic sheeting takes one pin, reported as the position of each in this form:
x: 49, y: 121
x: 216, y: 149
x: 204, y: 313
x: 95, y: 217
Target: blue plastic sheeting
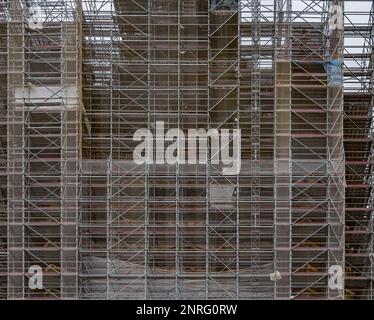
x: 334, y: 72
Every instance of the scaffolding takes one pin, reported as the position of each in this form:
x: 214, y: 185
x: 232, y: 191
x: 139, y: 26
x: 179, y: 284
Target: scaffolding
x: 358, y: 145
x: 43, y: 147
x: 82, y: 76
x: 3, y: 155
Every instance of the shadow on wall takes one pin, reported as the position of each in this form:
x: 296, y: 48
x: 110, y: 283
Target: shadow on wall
x: 223, y: 4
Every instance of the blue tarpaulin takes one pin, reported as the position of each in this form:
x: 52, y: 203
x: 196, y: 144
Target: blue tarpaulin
x: 334, y: 72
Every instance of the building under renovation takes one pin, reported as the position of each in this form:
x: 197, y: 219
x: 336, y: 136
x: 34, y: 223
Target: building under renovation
x: 79, y: 78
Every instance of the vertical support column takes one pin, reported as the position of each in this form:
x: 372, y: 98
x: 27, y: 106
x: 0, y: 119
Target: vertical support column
x: 207, y: 171
x: 371, y: 201
x: 371, y: 90
x: 129, y: 273
x: 236, y: 193
x: 71, y: 153
x: 3, y: 161
x: 335, y: 148
x: 371, y: 158
x: 178, y: 241
x: 108, y: 220
x: 147, y: 165
x: 15, y: 119
x: 282, y: 152
x: 223, y: 115
x: 255, y: 173
x: 112, y: 177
